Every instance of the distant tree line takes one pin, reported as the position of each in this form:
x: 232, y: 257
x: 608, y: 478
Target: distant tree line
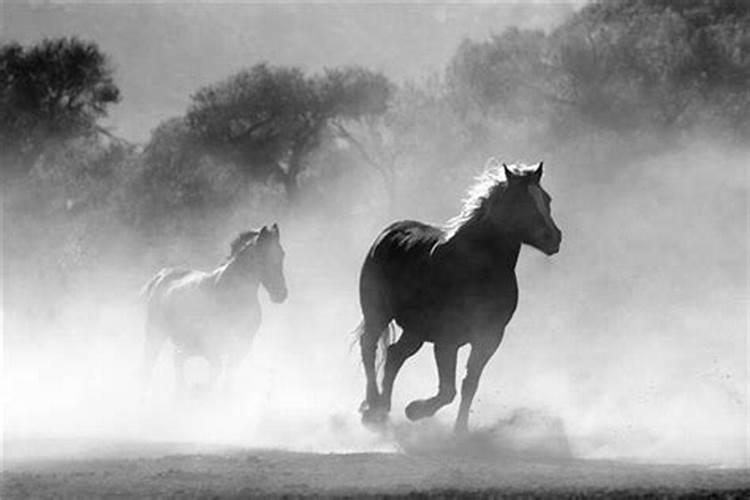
x: 621, y: 65
x: 50, y: 92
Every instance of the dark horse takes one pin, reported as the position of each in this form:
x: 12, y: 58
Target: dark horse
x: 214, y: 314
x: 451, y: 286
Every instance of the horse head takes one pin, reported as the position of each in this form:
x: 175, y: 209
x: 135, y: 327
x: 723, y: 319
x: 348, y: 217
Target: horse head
x: 524, y: 209
x: 272, y: 263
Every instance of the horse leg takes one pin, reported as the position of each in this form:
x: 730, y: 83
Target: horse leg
x: 214, y: 371
x: 152, y: 345
x: 179, y: 372
x: 445, y: 358
x: 371, y: 409
x: 481, y: 352
x: 230, y: 372
x: 397, y: 353
x: 238, y: 352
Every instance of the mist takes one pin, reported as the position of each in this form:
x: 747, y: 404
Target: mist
x: 633, y: 338
x: 631, y: 343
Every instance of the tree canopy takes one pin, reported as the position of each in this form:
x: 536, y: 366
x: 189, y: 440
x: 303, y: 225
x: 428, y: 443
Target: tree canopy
x: 54, y: 90
x: 617, y: 65
x: 268, y: 119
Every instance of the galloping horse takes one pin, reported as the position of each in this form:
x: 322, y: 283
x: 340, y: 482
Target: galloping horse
x: 451, y: 286
x: 214, y: 314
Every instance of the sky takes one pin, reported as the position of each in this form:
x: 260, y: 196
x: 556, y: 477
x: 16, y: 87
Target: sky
x: 162, y: 52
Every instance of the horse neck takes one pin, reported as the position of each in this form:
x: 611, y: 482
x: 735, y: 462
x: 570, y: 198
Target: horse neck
x: 231, y: 277
x: 478, y: 237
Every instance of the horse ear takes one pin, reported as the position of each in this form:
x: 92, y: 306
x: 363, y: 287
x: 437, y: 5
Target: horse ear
x: 509, y: 175
x: 263, y: 232
x: 275, y: 229
x: 538, y: 172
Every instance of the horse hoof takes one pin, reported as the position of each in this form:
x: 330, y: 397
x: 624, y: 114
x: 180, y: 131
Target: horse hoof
x: 461, y: 431
x: 377, y: 425
x: 364, y: 406
x: 373, y: 418
x: 415, y: 410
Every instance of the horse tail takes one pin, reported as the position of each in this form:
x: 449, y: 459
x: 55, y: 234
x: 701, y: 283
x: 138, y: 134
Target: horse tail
x: 357, y: 334
x: 385, y: 338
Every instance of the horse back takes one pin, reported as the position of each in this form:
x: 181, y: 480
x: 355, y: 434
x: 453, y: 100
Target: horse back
x: 196, y: 315
x: 397, y: 267
x: 409, y: 275
x: 162, y: 280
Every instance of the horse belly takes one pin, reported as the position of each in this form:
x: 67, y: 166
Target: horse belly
x: 212, y: 339
x: 428, y: 319
x: 459, y: 318
x: 200, y: 327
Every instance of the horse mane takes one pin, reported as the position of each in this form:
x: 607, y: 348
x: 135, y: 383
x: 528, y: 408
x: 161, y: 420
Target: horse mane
x: 240, y: 241
x: 488, y: 185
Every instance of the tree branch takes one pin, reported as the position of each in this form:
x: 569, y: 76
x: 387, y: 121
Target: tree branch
x: 101, y: 130
x: 252, y: 128
x: 358, y: 146
x: 388, y: 174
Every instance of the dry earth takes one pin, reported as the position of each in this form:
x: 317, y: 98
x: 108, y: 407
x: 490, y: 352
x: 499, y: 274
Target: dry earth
x: 124, y: 470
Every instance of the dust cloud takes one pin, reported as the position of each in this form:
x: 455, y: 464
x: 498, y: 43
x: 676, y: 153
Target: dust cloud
x: 631, y: 343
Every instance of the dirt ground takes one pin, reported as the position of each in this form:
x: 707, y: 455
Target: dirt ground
x: 126, y: 470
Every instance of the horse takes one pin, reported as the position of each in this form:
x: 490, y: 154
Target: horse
x: 450, y: 286
x: 214, y: 314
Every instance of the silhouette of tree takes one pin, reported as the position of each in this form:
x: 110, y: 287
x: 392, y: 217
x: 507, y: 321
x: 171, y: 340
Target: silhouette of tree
x: 268, y: 120
x: 622, y: 66
x: 49, y: 92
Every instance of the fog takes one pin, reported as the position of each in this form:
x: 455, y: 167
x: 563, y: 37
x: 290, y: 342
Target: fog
x: 631, y: 343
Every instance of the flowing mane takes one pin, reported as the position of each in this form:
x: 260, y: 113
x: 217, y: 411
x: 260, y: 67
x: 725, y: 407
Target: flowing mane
x: 240, y: 241
x: 488, y: 185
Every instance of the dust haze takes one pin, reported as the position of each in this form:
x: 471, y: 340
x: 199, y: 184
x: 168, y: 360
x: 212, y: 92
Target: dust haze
x: 631, y: 343
x: 633, y: 338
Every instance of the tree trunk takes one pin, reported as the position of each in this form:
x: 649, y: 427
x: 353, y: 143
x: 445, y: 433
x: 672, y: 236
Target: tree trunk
x: 300, y: 149
x: 291, y: 187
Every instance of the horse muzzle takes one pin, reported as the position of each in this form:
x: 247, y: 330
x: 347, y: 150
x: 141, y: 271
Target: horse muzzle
x: 278, y: 296
x: 549, y: 242
x: 551, y: 250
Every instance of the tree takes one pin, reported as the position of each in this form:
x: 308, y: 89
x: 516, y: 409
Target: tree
x: 268, y: 120
x: 175, y: 177
x: 419, y: 140
x: 508, y: 74
x: 664, y: 64
x: 52, y: 91
x: 623, y: 66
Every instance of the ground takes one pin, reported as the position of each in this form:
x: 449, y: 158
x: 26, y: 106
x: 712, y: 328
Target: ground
x: 156, y: 470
